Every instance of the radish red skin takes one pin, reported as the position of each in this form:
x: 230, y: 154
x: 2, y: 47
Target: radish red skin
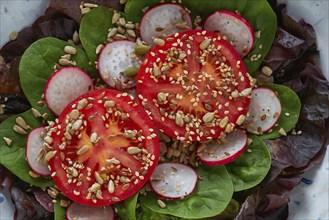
x: 102, y: 65
x: 105, y: 213
x: 145, y: 18
x: 230, y: 158
x: 237, y: 18
x: 274, y: 113
x: 57, y: 108
x: 173, y: 164
x: 44, y: 172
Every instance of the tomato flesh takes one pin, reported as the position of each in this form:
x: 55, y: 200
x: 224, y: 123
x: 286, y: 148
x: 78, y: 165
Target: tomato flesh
x: 195, y: 86
x: 106, y: 152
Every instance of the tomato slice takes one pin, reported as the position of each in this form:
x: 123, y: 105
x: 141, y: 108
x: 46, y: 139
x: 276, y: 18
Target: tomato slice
x: 195, y: 86
x: 104, y: 148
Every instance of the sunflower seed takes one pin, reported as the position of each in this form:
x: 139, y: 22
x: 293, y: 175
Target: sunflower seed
x: 161, y: 204
x: 21, y: 122
x: 131, y: 33
x: 223, y: 122
x: 113, y: 160
x: 133, y: 150
x: 85, y: 10
x: 64, y: 62
x: 93, y: 138
x: 112, y: 32
x: 267, y: 71
x: 19, y: 129
x: 109, y: 104
x: 48, y: 140
x: 208, y: 117
x: 115, y: 17
x: 99, y: 48
x: 33, y: 174
x: 83, y: 149
x: 70, y: 50
x: 77, y: 124
x: 7, y: 140
x: 82, y: 103
x: 240, y: 120
x: 64, y: 203
x: 90, y: 5
x: 75, y: 37
x: 205, y: 43
x: 159, y: 41
x: 99, y: 179
x: 246, y: 92
x: 50, y: 155
x: 122, y: 21
x: 74, y: 114
x: 110, y: 186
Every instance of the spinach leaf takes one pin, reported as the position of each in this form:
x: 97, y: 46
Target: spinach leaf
x: 231, y: 210
x: 127, y: 208
x: 251, y: 167
x: 13, y: 156
x: 291, y: 104
x: 258, y: 13
x: 147, y: 214
x: 37, y: 64
x: 59, y: 211
x: 94, y: 29
x: 211, y: 196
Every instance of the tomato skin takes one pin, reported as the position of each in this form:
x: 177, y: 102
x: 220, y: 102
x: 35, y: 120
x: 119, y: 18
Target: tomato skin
x: 179, y: 92
x: 124, y: 133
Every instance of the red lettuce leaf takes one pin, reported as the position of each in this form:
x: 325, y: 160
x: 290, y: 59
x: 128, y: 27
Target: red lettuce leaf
x: 72, y: 8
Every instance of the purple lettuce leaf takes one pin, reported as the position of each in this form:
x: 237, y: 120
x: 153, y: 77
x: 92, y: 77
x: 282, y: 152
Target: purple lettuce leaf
x: 72, y: 8
x: 26, y: 205
x: 293, y: 59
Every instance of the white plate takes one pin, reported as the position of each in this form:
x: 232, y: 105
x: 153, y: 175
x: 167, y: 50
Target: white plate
x: 308, y: 201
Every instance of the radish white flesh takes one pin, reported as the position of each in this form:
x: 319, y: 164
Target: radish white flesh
x: 64, y: 86
x: 113, y: 60
x: 34, y: 144
x: 236, y: 29
x: 173, y: 180
x: 264, y: 111
x: 221, y: 153
x: 80, y: 212
x: 163, y: 20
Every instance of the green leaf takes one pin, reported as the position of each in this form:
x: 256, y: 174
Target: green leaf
x: 59, y: 211
x: 231, y: 210
x: 258, y: 13
x: 211, y: 196
x: 13, y: 156
x: 251, y: 167
x: 127, y: 208
x: 147, y: 214
x: 94, y: 29
x: 36, y: 66
x: 291, y: 104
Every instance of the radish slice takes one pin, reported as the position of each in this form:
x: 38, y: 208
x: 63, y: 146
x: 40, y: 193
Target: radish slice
x: 173, y: 180
x: 236, y: 29
x: 163, y: 20
x: 80, y: 212
x: 64, y: 86
x: 221, y: 153
x: 114, y: 59
x: 264, y: 111
x: 34, y: 144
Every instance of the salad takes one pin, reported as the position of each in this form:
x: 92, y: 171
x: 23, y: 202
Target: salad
x: 162, y: 110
